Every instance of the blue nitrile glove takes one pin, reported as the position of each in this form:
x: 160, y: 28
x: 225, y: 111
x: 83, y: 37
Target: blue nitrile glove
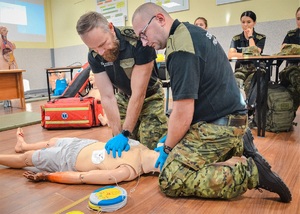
x: 117, y: 143
x: 162, y: 157
x: 161, y: 141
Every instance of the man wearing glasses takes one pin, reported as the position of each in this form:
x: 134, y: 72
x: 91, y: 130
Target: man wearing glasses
x: 119, y: 60
x: 210, y: 153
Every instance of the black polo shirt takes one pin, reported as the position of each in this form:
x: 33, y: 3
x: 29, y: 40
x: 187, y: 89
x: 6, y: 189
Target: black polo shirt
x: 292, y: 37
x: 132, y: 52
x: 199, y: 69
x: 239, y: 41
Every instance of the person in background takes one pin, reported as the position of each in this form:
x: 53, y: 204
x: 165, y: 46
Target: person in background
x: 248, y: 38
x: 202, y: 153
x: 249, y: 42
x: 119, y: 60
x: 290, y: 75
x: 293, y: 36
x: 201, y: 22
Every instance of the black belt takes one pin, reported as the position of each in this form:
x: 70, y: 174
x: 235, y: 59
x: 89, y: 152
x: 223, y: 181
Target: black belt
x: 232, y: 120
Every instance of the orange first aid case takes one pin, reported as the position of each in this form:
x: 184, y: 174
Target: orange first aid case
x: 75, y: 112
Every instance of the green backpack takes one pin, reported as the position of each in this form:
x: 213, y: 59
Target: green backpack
x: 280, y: 113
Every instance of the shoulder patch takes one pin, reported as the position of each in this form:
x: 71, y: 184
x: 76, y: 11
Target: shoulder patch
x: 129, y: 35
x: 292, y: 32
x: 236, y: 37
x: 128, y: 32
x: 260, y: 36
x: 180, y: 41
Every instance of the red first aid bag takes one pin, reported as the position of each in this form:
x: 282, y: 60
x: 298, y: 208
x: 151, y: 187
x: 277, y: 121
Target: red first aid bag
x: 75, y: 112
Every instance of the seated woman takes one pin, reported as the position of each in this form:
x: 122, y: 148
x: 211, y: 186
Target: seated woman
x: 293, y: 36
x: 245, y: 43
x: 290, y: 76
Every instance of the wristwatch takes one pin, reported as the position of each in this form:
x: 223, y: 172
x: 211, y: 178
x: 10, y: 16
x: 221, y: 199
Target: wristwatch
x: 251, y: 37
x: 167, y: 149
x: 126, y: 133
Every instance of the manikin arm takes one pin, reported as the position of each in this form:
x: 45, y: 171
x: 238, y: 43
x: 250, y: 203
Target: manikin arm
x: 123, y: 173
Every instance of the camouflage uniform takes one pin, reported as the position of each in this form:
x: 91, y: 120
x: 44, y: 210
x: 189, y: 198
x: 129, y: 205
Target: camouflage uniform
x: 197, y: 164
x: 152, y: 122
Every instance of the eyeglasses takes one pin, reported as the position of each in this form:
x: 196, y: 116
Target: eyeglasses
x: 142, y: 34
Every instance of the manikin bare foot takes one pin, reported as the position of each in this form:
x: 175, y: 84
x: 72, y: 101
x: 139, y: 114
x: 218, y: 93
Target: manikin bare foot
x: 20, y: 141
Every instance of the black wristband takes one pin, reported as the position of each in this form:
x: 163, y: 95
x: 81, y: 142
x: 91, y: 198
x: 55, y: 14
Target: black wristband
x: 126, y: 133
x: 167, y: 149
x: 251, y: 37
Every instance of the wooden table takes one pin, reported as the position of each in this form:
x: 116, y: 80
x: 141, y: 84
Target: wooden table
x: 261, y: 100
x: 11, y: 85
x: 59, y: 69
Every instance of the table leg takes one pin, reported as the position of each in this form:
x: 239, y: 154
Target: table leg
x: 48, y: 87
x: 258, y: 98
x: 20, y: 89
x: 266, y: 79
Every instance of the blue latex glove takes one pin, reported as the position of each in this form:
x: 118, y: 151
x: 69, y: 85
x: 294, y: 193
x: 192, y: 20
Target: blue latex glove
x: 117, y: 143
x: 161, y: 141
x: 162, y: 157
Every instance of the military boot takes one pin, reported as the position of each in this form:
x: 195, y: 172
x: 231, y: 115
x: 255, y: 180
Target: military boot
x: 268, y: 179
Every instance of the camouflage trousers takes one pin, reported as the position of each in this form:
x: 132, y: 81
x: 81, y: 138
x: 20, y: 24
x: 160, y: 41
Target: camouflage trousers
x: 152, y: 122
x: 243, y: 76
x: 204, y: 164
